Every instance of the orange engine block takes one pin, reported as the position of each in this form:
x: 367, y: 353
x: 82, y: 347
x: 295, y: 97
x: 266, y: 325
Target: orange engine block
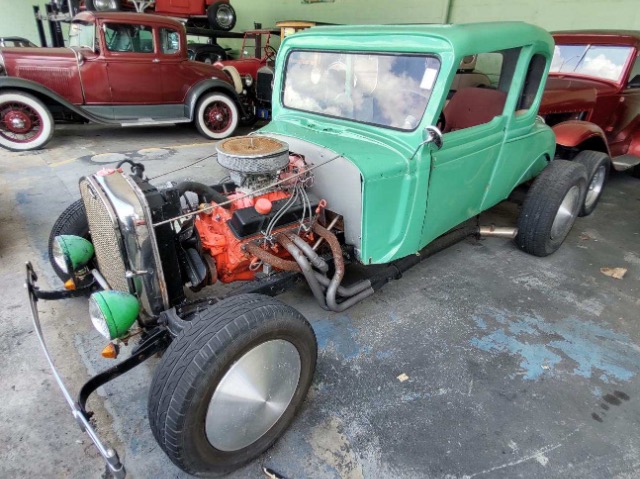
x: 233, y: 263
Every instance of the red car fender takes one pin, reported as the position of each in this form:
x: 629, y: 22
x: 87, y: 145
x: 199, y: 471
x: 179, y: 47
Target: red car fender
x: 575, y: 132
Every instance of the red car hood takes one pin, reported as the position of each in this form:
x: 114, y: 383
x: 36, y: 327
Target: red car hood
x: 17, y: 58
x: 566, y: 94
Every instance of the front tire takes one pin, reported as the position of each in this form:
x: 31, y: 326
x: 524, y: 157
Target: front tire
x: 597, y: 165
x: 72, y: 221
x: 231, y: 382
x: 25, y: 122
x: 551, y: 207
x: 216, y: 116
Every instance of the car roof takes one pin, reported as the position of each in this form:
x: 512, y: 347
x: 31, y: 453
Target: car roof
x: 129, y: 17
x: 464, y: 38
x: 602, y: 37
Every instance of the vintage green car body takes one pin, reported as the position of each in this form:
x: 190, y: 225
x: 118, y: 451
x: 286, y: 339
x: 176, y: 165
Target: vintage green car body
x: 408, y: 202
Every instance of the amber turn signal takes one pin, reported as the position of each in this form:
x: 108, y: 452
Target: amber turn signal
x: 70, y: 285
x: 110, y: 351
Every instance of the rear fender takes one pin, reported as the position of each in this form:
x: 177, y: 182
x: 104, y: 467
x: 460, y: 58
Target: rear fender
x: 207, y: 86
x: 574, y: 133
x: 49, y: 97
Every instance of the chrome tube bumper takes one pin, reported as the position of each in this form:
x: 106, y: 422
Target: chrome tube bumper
x: 113, y: 464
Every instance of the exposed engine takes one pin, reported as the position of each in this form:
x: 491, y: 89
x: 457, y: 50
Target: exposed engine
x: 265, y: 195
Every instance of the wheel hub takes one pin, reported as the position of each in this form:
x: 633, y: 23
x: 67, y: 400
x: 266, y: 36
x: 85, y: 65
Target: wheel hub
x: 253, y: 395
x: 17, y: 121
x: 595, y: 187
x: 217, y: 117
x: 567, y: 213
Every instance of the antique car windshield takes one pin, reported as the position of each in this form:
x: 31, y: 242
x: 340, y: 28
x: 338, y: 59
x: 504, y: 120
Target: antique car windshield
x: 82, y: 35
x: 390, y: 90
x: 599, y: 61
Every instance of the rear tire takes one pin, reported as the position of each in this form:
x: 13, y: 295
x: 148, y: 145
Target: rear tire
x: 250, y: 344
x: 597, y: 165
x: 551, y: 207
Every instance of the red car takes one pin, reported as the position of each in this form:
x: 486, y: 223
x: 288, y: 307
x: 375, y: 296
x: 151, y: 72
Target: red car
x: 217, y: 14
x: 124, y: 69
x: 592, y: 102
x: 252, y: 72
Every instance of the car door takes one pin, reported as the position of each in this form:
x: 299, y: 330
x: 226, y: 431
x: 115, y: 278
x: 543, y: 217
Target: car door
x: 132, y: 64
x: 176, y: 76
x: 627, y: 122
x: 474, y: 131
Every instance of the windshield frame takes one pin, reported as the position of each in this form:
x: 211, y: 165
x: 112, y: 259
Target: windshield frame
x: 423, y: 55
x: 587, y: 47
x: 83, y: 25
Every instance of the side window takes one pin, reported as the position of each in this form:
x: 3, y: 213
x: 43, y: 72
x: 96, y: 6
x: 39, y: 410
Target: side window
x: 531, y: 83
x: 479, y: 89
x: 170, y: 41
x: 634, y: 76
x: 128, y: 38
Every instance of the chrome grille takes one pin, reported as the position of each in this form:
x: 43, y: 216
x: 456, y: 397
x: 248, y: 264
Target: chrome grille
x: 106, y: 238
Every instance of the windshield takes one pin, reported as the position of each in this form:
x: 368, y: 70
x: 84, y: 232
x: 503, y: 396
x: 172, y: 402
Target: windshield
x: 82, y: 35
x: 605, y: 62
x: 390, y: 90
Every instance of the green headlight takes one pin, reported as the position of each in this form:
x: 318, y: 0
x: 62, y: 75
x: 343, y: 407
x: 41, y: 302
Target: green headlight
x: 113, y: 312
x: 71, y: 252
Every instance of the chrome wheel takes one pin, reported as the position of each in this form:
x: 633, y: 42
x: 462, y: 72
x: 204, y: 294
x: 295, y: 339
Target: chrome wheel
x: 225, y: 16
x: 595, y: 187
x: 253, y: 395
x: 567, y: 213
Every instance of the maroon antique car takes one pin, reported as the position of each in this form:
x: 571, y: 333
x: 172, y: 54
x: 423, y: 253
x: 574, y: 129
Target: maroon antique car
x: 592, y: 102
x: 126, y: 69
x: 216, y: 14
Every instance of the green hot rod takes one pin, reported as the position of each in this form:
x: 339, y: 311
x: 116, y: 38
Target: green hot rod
x: 381, y: 151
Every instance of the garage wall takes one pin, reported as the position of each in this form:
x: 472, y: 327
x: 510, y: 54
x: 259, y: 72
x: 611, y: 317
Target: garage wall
x: 550, y: 14
x: 16, y: 19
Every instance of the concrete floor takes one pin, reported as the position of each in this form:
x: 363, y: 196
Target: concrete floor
x: 517, y: 366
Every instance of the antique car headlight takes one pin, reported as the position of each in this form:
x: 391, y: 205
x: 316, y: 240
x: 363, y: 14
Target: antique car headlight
x: 248, y: 80
x: 71, y: 252
x: 113, y: 312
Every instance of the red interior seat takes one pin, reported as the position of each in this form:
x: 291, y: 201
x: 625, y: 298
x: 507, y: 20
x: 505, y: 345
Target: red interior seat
x: 473, y: 106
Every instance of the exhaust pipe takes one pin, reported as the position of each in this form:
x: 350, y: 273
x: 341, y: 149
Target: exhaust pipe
x: 507, y: 232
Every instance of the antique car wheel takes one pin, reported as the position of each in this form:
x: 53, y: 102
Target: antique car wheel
x: 551, y: 207
x: 103, y: 5
x: 25, y: 122
x: 221, y: 16
x: 597, y: 165
x: 231, y: 382
x: 72, y: 221
x: 216, y: 116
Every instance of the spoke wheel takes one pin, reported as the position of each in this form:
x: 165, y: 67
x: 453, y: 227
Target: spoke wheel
x: 216, y: 116
x: 25, y: 123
